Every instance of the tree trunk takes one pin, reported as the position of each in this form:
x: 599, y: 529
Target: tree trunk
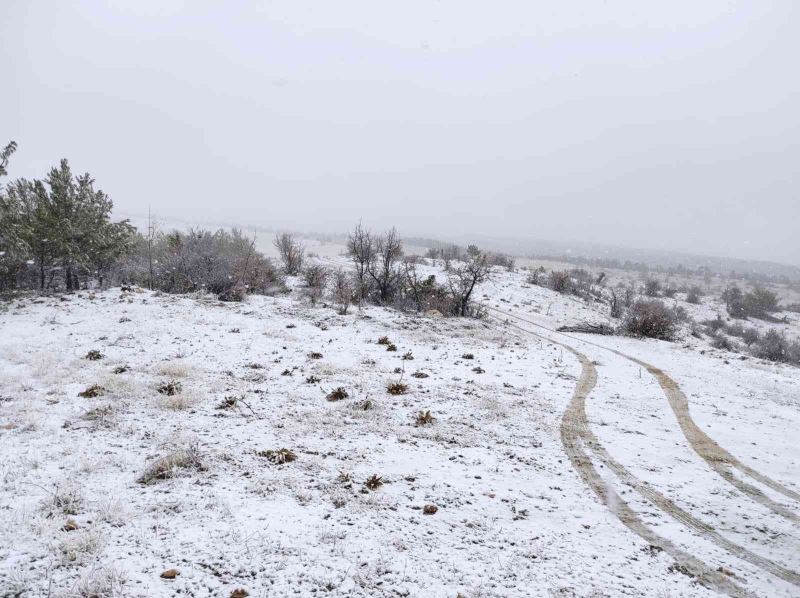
x: 68, y: 278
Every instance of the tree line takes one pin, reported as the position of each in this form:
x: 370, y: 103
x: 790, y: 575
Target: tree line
x: 57, y: 234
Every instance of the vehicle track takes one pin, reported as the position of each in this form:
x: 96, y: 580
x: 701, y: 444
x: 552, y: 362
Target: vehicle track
x: 575, y: 425
x: 719, y: 459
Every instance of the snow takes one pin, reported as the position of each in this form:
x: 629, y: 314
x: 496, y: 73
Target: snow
x: 514, y: 518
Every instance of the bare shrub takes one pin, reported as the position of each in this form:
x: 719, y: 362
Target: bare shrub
x: 560, y: 281
x: 342, y: 290
x: 652, y: 288
x: 361, y: 249
x: 651, y: 319
x: 536, y: 277
x: 693, y: 294
x: 383, y: 267
x: 291, y: 252
x: 463, y: 279
x: 315, y: 278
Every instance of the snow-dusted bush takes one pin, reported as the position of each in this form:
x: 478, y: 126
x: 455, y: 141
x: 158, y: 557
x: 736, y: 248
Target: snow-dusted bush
x: 652, y: 319
x: 291, y: 252
x: 693, y: 294
x: 774, y: 346
x: 222, y: 262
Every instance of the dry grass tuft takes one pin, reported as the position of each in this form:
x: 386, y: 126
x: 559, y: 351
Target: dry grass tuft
x: 228, y: 403
x: 169, y: 465
x: 373, y: 482
x: 94, y: 355
x: 313, y: 379
x: 397, y: 388
x: 424, y: 418
x: 337, y: 394
x: 169, y: 388
x: 467, y: 356
x: 66, y: 499
x: 363, y: 405
x: 315, y: 355
x: 95, y: 390
x: 279, y: 456
x: 384, y: 340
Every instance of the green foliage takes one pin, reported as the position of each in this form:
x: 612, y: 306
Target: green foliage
x: 59, y: 224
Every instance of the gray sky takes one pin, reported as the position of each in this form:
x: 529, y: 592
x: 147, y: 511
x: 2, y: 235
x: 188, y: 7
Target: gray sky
x: 655, y: 124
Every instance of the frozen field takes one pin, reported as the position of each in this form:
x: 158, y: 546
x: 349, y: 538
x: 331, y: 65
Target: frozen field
x: 212, y: 443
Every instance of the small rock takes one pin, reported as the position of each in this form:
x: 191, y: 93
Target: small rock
x: 429, y: 509
x: 240, y: 593
x: 170, y: 574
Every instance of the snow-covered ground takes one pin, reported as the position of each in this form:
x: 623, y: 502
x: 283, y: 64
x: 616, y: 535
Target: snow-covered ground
x: 484, y: 501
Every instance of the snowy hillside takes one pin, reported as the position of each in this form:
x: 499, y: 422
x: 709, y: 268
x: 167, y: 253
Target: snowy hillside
x: 158, y: 445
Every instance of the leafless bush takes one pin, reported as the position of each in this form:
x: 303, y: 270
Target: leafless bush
x: 652, y: 319
x: 652, y: 288
x: 693, y: 294
x: 382, y: 268
x: 361, y: 249
x: 315, y: 277
x: 342, y: 290
x: 536, y: 277
x: 291, y: 252
x: 463, y: 279
x: 560, y: 281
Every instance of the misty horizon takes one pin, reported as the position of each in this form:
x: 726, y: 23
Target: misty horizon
x: 661, y: 127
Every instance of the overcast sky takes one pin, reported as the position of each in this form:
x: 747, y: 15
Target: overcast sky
x: 654, y: 124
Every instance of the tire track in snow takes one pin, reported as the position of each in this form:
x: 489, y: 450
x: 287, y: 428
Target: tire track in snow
x: 575, y: 419
x: 575, y: 433
x: 719, y: 459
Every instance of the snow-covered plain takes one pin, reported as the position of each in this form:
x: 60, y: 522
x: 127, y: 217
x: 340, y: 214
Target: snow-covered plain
x: 512, y: 515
